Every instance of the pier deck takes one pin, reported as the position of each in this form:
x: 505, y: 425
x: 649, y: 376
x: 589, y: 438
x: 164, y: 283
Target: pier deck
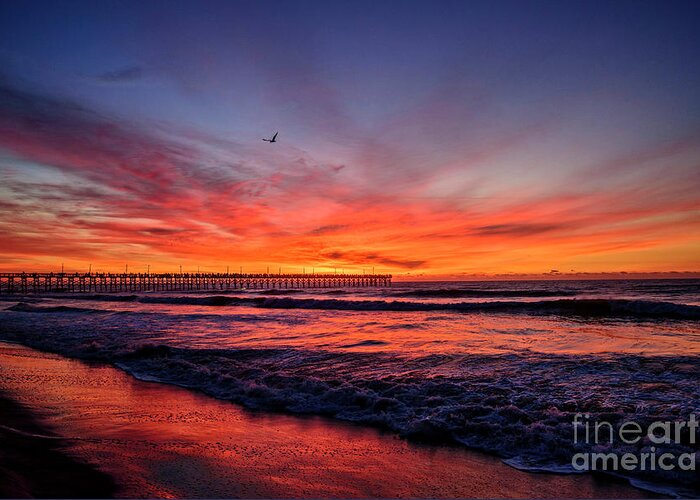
x: 142, y: 282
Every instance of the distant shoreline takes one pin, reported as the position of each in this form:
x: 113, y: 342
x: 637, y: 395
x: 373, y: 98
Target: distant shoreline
x: 675, y: 276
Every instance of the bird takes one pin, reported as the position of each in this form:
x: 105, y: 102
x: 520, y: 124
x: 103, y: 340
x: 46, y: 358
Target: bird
x: 274, y: 138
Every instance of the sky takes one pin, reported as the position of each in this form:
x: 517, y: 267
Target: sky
x: 424, y: 139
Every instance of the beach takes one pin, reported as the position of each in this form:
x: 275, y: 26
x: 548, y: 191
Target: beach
x: 156, y: 440
x: 34, y: 462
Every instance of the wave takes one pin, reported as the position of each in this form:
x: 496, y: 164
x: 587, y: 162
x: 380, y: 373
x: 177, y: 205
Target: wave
x: 578, y: 307
x: 25, y: 307
x: 458, y: 293
x: 517, y: 406
x: 365, y: 343
x: 560, y: 307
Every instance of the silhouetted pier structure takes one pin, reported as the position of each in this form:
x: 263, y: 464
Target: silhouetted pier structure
x: 162, y: 282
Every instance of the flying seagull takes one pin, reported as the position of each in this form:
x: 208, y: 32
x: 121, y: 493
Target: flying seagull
x: 274, y: 138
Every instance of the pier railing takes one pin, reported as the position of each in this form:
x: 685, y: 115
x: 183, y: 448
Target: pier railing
x: 142, y: 282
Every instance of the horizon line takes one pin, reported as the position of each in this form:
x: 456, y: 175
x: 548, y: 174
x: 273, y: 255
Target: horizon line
x: 401, y: 277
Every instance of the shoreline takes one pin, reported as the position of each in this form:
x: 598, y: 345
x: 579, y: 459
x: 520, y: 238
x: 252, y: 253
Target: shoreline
x: 34, y: 463
x: 159, y: 440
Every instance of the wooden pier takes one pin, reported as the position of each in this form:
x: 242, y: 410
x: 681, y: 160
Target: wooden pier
x: 24, y: 283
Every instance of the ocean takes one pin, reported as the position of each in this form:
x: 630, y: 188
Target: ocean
x: 499, y: 366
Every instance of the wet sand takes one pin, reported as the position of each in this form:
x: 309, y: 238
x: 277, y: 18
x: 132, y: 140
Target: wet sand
x: 34, y: 465
x: 156, y: 440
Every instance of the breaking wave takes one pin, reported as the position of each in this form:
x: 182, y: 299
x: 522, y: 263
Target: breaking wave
x: 458, y: 293
x: 560, y: 307
x: 26, y: 307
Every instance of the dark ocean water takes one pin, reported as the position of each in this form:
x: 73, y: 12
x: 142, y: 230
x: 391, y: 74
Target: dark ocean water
x: 498, y: 366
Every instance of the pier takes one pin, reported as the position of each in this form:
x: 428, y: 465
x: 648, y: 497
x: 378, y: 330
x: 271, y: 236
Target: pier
x: 24, y: 283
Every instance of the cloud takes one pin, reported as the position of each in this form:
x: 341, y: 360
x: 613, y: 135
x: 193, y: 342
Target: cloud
x: 123, y: 75
x: 359, y: 258
x: 516, y: 229
x: 330, y: 228
x: 402, y: 264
